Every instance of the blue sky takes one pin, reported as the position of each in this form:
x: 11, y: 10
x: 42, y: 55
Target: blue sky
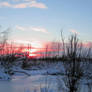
x: 42, y: 20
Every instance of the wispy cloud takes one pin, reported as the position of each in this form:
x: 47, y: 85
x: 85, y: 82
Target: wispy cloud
x: 15, y: 0
x: 37, y: 5
x: 5, y: 4
x: 20, y: 28
x: 74, y: 31
x: 39, y: 29
x: 23, y: 0
x: 36, y: 29
x: 21, y: 41
x: 29, y: 0
x: 26, y: 4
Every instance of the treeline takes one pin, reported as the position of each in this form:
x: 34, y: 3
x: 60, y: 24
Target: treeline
x: 53, y: 51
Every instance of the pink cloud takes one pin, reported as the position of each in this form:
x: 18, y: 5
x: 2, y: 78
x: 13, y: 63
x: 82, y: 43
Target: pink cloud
x: 29, y: 4
x: 5, y: 4
x: 23, y: 5
x: 38, y: 5
x: 74, y: 31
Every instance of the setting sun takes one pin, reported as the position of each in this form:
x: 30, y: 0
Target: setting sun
x: 33, y: 49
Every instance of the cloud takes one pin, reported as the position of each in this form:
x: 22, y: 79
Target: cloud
x: 23, y: 0
x: 16, y: 0
x: 39, y: 29
x: 21, y: 41
x: 74, y: 31
x: 22, y: 5
x: 5, y: 4
x: 29, y: 0
x: 38, y: 5
x: 26, y: 4
x: 20, y: 28
x: 36, y: 29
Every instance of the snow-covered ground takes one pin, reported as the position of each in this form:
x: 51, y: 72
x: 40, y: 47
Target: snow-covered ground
x: 38, y: 78
x: 35, y: 83
x: 35, y: 79
x: 29, y: 84
x: 43, y: 69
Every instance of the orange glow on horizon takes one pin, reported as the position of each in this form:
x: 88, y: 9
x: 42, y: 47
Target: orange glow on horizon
x: 35, y: 46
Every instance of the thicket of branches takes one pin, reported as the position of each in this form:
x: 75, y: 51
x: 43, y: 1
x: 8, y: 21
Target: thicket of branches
x: 76, y: 60
x: 6, y: 61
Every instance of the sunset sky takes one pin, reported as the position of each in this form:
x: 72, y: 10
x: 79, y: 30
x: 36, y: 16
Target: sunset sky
x: 41, y: 20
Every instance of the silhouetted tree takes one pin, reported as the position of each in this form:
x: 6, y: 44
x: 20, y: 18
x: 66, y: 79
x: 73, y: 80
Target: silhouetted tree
x: 73, y: 68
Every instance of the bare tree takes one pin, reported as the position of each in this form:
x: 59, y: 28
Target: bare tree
x: 6, y: 61
x: 46, y: 52
x: 73, y: 68
x: 3, y: 39
x: 63, y: 44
